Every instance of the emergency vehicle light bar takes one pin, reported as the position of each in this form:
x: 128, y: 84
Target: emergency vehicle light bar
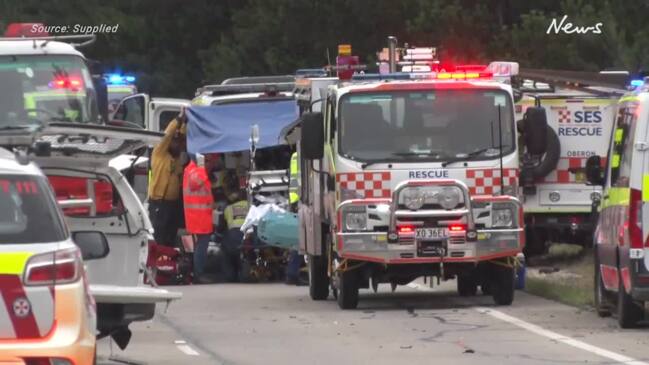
x: 118, y: 79
x: 219, y: 90
x: 424, y: 76
x: 311, y: 72
x: 89, y: 39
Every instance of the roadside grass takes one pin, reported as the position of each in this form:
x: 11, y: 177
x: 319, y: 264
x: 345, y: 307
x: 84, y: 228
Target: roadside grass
x: 565, y: 274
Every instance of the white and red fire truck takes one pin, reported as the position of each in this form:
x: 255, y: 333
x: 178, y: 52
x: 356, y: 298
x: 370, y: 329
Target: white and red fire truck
x: 413, y: 174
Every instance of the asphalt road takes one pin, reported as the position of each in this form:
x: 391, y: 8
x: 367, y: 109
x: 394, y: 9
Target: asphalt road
x: 279, y: 324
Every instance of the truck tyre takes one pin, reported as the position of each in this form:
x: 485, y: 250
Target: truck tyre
x: 602, y: 296
x: 551, y: 158
x: 502, y: 284
x: 535, y: 241
x: 629, y: 312
x: 318, y: 279
x: 347, y: 289
x: 466, y: 285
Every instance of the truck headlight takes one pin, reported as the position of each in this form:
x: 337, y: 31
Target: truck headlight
x: 355, y: 221
x: 502, y: 217
x: 449, y: 197
x: 413, y: 198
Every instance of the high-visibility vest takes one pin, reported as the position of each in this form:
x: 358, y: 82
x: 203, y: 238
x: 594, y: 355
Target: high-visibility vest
x: 235, y: 214
x: 198, y: 200
x: 294, y: 181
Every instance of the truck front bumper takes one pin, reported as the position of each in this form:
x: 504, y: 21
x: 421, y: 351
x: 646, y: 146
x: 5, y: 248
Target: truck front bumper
x: 477, y: 241
x: 374, y: 247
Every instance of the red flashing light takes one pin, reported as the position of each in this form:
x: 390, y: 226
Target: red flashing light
x: 406, y: 229
x: 463, y: 75
x: 72, y: 83
x: 27, y: 30
x: 457, y: 227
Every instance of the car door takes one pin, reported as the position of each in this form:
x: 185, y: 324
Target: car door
x: 615, y: 202
x: 80, y: 155
x: 132, y: 110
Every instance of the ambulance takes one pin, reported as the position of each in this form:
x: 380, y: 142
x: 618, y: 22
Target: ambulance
x: 47, y: 315
x: 118, y: 87
x: 622, y: 233
x: 556, y: 197
x: 408, y: 175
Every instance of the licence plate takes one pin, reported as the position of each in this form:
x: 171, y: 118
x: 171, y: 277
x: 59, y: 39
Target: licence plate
x: 431, y: 234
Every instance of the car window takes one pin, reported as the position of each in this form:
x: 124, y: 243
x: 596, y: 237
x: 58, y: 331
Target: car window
x: 29, y: 213
x: 131, y: 110
x: 623, y: 136
x: 165, y: 118
x: 106, y: 201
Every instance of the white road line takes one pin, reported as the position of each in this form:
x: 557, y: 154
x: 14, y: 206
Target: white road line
x: 549, y: 334
x: 185, y: 348
x: 560, y: 338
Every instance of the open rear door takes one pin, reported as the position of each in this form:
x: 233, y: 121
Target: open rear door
x: 94, y: 195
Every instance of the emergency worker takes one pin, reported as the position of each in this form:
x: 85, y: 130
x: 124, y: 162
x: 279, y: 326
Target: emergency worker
x: 235, y: 215
x: 294, y: 182
x: 165, y: 204
x: 199, y: 204
x: 295, y: 261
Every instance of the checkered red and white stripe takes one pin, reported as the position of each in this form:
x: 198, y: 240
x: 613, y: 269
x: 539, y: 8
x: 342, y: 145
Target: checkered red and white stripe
x: 369, y: 184
x: 564, y: 116
x: 487, y: 181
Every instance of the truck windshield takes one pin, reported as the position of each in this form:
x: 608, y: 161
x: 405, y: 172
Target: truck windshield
x: 41, y: 89
x: 435, y: 125
x: 28, y: 213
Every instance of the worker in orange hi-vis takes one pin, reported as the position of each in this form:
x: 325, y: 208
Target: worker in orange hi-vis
x: 198, y: 204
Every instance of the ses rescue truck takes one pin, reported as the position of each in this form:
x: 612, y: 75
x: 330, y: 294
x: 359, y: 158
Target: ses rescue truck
x: 622, y: 232
x: 413, y: 174
x: 556, y: 197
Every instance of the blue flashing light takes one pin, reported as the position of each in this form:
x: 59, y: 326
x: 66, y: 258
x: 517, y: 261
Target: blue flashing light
x: 636, y: 83
x: 117, y: 79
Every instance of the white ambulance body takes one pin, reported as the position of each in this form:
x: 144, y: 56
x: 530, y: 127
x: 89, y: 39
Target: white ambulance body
x: 559, y: 204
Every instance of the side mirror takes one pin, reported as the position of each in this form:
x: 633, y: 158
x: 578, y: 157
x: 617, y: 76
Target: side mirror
x: 535, y: 130
x: 518, y: 95
x: 312, y: 136
x: 594, y: 173
x: 93, y: 244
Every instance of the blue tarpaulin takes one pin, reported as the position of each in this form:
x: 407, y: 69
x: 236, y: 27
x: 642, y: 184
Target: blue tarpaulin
x: 226, y: 128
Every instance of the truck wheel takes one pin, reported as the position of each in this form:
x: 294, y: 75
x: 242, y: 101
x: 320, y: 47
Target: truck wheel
x: 347, y: 289
x: 466, y: 285
x: 318, y: 279
x: 602, y: 296
x: 502, y: 285
x: 629, y: 312
x: 535, y: 239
